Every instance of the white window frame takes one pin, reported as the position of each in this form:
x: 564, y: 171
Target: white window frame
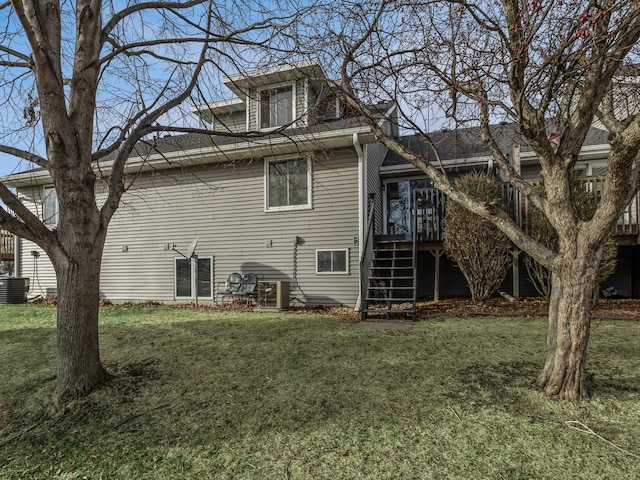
x: 287, y: 158
x: 194, y: 283
x: 50, y: 221
x: 259, y: 105
x: 333, y: 272
x: 596, y: 164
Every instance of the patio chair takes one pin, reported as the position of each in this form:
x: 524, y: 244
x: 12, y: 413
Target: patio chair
x: 229, y: 288
x: 247, y: 288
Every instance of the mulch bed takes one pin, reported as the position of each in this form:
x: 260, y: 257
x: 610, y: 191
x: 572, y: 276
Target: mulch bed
x: 625, y: 309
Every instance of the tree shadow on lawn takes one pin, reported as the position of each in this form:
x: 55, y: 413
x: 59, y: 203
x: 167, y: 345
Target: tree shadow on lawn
x: 619, y: 387
x: 285, y: 375
x: 202, y: 380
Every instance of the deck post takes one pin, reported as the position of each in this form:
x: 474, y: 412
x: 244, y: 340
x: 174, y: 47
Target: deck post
x: 437, y: 253
x: 516, y: 272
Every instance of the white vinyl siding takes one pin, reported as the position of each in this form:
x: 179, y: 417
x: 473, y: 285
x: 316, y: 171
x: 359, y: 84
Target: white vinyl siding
x: 233, y: 123
x: 35, y: 264
x: 375, y: 156
x: 223, y: 205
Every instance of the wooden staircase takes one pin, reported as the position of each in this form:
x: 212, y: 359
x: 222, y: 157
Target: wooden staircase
x: 391, y: 288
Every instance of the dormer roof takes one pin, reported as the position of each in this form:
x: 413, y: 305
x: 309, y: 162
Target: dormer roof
x: 223, y: 107
x: 242, y: 83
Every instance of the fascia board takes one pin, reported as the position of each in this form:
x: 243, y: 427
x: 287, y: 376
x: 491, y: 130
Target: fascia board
x: 239, y: 83
x: 458, y: 162
x: 590, y: 152
x: 232, y: 105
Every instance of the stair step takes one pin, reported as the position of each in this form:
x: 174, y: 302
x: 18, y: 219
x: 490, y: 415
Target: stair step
x: 393, y: 250
x: 394, y: 287
x: 391, y: 278
x: 392, y: 267
x: 396, y: 268
x: 389, y: 310
x: 390, y: 299
x: 406, y: 260
x: 389, y: 259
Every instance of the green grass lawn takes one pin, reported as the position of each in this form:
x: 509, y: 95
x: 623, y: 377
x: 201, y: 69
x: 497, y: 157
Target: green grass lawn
x: 233, y: 395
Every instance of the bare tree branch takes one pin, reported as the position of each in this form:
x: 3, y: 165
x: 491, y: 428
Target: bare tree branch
x: 31, y: 157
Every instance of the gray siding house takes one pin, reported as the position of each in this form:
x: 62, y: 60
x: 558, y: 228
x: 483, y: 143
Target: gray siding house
x: 292, y: 187
x: 283, y: 199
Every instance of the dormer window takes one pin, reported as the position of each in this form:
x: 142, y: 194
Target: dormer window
x: 276, y: 107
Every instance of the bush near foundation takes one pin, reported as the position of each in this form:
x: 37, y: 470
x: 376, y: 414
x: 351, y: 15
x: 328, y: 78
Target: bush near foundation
x: 481, y: 251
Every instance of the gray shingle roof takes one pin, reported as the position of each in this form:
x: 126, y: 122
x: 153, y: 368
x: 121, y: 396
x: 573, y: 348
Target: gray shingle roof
x: 194, y: 141
x: 465, y: 143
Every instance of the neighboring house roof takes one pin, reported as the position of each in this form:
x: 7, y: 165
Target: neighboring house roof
x: 464, y: 147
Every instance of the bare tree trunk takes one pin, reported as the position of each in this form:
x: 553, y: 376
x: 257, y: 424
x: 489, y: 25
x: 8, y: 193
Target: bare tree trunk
x: 79, y: 367
x: 563, y: 376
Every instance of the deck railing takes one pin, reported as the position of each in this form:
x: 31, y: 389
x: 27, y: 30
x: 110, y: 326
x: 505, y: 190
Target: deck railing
x: 430, y: 205
x: 518, y: 206
x: 431, y: 214
x: 7, y: 244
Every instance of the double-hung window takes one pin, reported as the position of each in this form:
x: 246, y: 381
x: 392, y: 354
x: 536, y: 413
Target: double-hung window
x: 276, y: 107
x: 332, y: 261
x: 288, y: 184
x: 50, y: 207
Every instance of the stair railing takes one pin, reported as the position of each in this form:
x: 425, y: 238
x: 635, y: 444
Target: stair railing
x: 417, y: 210
x: 367, y: 254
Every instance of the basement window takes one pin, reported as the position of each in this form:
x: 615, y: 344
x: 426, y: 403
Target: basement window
x: 332, y: 261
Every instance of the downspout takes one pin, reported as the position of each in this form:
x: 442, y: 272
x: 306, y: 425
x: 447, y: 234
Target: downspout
x: 17, y: 256
x: 362, y: 206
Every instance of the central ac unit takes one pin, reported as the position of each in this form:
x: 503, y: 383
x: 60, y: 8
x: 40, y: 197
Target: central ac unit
x: 273, y: 295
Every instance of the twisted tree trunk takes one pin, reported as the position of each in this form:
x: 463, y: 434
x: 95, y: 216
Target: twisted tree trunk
x: 573, y: 286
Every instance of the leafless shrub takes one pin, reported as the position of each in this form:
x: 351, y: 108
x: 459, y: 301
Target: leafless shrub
x: 481, y: 251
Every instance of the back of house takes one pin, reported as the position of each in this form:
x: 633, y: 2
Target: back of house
x: 278, y: 189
